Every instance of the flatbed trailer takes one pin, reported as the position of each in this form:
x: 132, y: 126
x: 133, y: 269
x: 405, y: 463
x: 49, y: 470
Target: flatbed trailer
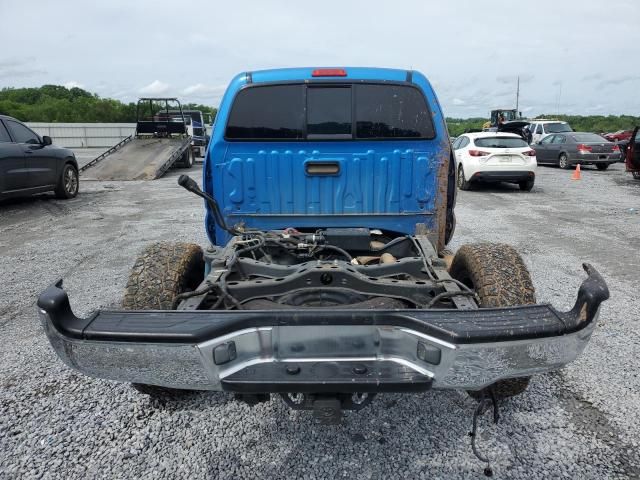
x: 159, y: 143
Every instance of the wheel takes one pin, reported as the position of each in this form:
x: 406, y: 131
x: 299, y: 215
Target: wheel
x: 187, y: 159
x: 68, y: 183
x: 563, y: 161
x: 462, y: 181
x: 636, y: 175
x: 160, y: 273
x: 602, y: 166
x: 500, y: 278
x: 526, y: 185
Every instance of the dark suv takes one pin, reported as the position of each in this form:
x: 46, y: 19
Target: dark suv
x: 31, y: 164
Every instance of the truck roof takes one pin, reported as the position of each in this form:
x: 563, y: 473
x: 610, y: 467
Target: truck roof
x: 306, y: 73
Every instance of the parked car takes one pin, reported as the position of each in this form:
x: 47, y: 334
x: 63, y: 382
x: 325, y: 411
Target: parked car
x: 494, y: 157
x: 619, y: 136
x: 632, y: 154
x: 542, y: 128
x: 31, y: 164
x: 569, y: 149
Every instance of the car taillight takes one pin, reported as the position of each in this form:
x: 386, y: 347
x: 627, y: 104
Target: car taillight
x: 478, y: 153
x: 584, y: 148
x: 530, y: 153
x: 329, y: 72
x: 615, y: 148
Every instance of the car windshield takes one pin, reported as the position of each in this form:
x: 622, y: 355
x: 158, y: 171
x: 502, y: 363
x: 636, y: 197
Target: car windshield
x: 589, y: 138
x: 500, y: 142
x: 557, y: 127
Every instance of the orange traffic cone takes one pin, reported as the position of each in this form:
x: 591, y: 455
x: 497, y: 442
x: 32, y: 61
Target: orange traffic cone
x: 576, y: 173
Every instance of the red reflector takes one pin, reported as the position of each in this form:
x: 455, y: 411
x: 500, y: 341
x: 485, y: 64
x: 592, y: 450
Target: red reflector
x: 329, y: 72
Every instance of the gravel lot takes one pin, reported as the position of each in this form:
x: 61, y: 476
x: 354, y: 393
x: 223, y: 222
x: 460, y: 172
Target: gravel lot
x: 581, y: 422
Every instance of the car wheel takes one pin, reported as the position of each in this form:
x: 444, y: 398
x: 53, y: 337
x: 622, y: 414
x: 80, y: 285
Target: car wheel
x: 187, y: 158
x: 68, y: 183
x: 563, y: 161
x: 462, y: 181
x: 162, y: 272
x: 500, y: 278
x: 636, y: 175
x: 602, y: 166
x: 526, y: 185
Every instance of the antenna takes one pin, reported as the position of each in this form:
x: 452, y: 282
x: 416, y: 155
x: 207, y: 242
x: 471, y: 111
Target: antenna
x: 518, y: 95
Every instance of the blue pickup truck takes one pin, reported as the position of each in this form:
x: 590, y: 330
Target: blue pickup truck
x: 329, y: 196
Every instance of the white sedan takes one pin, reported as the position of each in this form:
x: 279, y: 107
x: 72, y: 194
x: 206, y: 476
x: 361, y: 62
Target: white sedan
x: 494, y: 157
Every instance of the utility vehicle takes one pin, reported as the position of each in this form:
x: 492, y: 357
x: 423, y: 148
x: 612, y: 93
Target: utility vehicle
x: 196, y: 129
x: 329, y: 198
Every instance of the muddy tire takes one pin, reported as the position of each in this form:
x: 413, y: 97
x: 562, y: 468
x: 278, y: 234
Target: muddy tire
x: 500, y: 278
x: 68, y: 183
x: 160, y: 273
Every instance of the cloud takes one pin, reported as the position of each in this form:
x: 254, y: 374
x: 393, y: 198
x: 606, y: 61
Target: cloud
x: 610, y: 82
x: 592, y: 77
x: 16, y: 68
x: 155, y: 88
x: 458, y: 102
x: 72, y: 84
x: 524, y: 78
x: 202, y: 89
x: 595, y: 108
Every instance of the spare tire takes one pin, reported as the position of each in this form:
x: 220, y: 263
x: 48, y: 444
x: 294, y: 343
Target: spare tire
x: 500, y: 278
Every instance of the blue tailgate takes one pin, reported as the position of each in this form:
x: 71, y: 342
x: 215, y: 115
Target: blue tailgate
x: 389, y: 184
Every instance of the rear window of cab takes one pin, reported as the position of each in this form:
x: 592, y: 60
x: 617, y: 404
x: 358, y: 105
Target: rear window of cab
x: 308, y: 112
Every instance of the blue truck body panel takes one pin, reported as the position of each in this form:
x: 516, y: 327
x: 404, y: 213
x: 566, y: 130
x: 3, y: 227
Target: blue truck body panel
x: 390, y: 185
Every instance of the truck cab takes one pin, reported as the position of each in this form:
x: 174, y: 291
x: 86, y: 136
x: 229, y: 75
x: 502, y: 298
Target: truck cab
x: 350, y: 147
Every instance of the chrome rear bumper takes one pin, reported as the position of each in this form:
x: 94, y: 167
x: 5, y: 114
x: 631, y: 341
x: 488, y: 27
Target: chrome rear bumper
x: 322, y: 350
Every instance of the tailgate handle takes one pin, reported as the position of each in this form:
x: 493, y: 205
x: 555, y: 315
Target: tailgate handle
x: 327, y: 167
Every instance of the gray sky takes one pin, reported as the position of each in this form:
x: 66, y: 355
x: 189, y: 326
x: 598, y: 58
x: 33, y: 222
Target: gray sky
x: 580, y: 52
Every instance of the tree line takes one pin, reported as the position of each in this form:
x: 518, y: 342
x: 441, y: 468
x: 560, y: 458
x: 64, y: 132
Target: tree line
x: 580, y: 123
x: 55, y: 103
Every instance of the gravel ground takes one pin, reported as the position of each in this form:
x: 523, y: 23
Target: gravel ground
x: 581, y: 422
